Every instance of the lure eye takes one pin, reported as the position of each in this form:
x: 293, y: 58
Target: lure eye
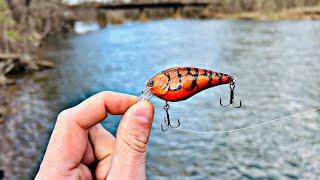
x: 151, y: 83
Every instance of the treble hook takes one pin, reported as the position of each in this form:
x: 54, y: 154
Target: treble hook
x: 167, y: 119
x: 232, y: 86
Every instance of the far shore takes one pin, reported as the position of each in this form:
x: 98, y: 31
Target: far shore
x: 105, y: 16
x: 302, y: 13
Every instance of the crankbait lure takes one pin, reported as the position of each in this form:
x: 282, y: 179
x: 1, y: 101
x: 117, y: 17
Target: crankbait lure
x: 180, y: 83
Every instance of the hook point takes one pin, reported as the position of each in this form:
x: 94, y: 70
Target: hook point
x: 237, y: 106
x: 222, y: 104
x: 164, y: 130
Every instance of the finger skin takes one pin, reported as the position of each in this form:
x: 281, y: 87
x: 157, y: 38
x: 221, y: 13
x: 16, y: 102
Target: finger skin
x: 130, y: 151
x: 69, y: 138
x: 103, y: 144
x: 88, y: 156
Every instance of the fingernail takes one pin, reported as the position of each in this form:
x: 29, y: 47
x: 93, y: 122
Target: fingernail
x: 141, y: 112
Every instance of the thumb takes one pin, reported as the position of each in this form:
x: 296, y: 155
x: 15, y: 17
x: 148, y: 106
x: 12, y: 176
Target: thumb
x: 130, y: 151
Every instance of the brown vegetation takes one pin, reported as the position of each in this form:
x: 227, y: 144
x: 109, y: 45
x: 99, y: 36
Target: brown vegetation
x: 23, y: 24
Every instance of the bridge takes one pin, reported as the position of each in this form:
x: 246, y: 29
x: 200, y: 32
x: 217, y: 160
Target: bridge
x: 118, y: 11
x: 152, y: 5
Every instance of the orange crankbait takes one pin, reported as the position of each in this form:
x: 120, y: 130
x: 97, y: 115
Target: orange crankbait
x: 180, y: 83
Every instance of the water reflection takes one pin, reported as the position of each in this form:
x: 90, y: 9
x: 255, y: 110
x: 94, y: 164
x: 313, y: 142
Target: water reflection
x: 276, y: 64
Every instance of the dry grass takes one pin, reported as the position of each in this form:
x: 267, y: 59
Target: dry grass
x: 302, y: 13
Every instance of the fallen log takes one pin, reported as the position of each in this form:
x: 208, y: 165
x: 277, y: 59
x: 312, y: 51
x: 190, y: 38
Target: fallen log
x: 9, y: 56
x: 11, y: 63
x: 44, y: 64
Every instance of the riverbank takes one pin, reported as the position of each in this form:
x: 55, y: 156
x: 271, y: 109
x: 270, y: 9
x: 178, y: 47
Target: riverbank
x: 23, y: 26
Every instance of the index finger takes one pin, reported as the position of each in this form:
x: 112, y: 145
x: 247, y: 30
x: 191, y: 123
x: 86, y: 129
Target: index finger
x: 69, y: 137
x: 95, y: 109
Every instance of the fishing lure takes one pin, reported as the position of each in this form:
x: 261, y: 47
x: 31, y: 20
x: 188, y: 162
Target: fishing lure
x: 180, y: 83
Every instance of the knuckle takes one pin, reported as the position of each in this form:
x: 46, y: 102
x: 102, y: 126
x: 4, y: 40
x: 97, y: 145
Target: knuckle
x: 64, y: 115
x: 137, y: 140
x: 105, y: 93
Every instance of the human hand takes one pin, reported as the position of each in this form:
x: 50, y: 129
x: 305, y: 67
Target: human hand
x: 78, y: 142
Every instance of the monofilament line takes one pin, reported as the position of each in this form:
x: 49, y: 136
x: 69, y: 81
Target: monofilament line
x: 248, y: 127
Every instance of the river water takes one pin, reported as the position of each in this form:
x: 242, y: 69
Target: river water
x: 277, y: 65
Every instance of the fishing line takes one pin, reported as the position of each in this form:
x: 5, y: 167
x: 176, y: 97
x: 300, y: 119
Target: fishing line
x: 245, y: 128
